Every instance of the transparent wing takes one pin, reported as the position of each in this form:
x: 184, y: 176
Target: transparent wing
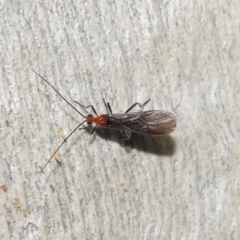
x: 154, y: 122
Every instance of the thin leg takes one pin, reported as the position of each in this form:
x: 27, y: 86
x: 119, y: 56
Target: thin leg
x: 89, y: 106
x: 107, y: 105
x: 123, y: 138
x: 126, y: 137
x: 93, y: 130
x: 83, y: 128
x: 140, y: 105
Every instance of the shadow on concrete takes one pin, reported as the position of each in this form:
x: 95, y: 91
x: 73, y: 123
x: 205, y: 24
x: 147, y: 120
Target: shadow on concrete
x: 160, y: 145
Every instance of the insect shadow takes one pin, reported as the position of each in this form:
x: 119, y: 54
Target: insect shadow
x: 159, y: 145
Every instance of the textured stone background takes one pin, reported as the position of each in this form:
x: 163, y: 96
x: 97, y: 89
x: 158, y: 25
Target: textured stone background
x: 184, y: 55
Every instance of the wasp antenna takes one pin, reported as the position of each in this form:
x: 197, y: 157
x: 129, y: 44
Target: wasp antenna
x: 45, y: 80
x: 42, y: 168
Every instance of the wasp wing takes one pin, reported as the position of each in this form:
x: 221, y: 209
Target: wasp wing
x: 154, y: 122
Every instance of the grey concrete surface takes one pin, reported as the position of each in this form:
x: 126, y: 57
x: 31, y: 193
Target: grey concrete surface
x: 184, y: 55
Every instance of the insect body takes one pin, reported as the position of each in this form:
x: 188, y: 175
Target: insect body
x: 153, y: 122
